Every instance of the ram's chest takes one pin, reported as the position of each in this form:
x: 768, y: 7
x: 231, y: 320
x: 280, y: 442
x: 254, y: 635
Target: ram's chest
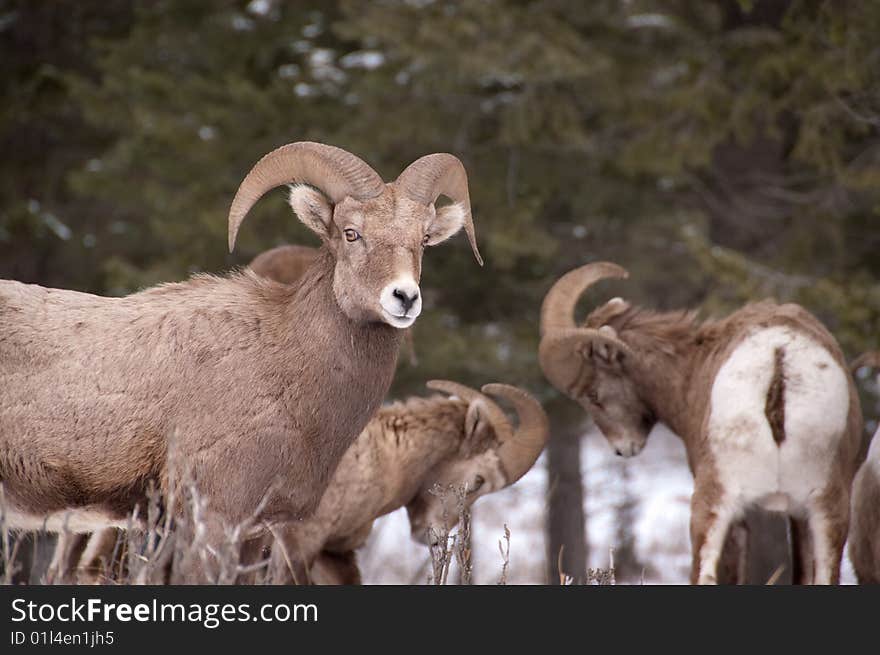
x: 778, y: 408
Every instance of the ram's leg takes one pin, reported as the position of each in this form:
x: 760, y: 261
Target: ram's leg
x: 68, y: 549
x: 828, y: 522
x: 711, y: 517
x: 803, y: 566
x: 254, y: 560
x: 336, y: 569
x: 97, y: 558
x: 733, y: 565
x: 288, y: 563
x: 203, y: 552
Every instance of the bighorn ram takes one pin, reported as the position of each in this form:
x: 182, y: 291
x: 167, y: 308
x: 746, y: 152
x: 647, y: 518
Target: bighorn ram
x: 762, y: 399
x: 406, y: 451
x: 864, y: 534
x: 255, y: 389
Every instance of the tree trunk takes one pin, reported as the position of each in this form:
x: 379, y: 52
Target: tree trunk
x: 627, y: 567
x: 566, y: 526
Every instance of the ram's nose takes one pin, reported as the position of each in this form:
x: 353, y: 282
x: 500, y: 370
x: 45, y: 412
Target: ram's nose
x: 401, y: 302
x: 407, y: 297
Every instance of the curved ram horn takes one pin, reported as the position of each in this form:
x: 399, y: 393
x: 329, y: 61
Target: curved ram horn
x: 336, y: 172
x: 519, y: 450
x: 440, y: 174
x: 557, y: 310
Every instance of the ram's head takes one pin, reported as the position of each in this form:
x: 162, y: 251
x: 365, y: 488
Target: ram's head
x: 590, y: 363
x: 492, y: 455
x: 375, y: 232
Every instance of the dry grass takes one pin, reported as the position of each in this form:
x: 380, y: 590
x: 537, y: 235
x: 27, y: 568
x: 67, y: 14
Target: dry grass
x: 598, y: 576
x: 167, y: 543
x: 164, y: 543
x: 448, y: 546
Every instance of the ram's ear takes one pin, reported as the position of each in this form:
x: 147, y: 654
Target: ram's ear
x: 447, y: 221
x: 312, y: 208
x: 606, y: 349
x: 476, y: 421
x: 607, y: 312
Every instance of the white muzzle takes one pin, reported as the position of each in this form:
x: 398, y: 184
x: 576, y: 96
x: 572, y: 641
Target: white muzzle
x: 401, y: 302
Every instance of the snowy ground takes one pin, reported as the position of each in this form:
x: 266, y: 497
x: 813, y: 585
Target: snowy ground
x: 658, y: 479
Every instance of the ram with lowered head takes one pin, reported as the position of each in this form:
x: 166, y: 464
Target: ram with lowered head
x: 252, y: 389
x: 408, y: 453
x: 762, y: 399
x: 864, y: 534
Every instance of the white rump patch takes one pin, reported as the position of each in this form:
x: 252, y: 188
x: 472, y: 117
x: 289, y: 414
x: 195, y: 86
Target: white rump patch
x: 752, y: 468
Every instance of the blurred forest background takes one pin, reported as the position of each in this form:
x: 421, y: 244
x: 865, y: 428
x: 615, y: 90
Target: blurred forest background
x: 721, y: 150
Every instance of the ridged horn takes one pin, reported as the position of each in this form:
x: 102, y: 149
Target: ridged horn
x: 557, y: 310
x: 440, y: 174
x: 520, y: 449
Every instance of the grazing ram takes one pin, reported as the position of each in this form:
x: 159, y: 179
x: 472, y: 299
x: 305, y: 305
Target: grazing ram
x: 408, y: 451
x: 864, y: 534
x: 251, y: 388
x: 762, y: 399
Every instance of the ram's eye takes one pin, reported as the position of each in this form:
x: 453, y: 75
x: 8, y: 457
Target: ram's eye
x: 425, y: 239
x: 593, y: 397
x: 478, y: 482
x: 351, y: 235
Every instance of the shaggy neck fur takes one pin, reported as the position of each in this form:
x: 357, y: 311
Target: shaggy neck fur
x: 411, y: 438
x: 357, y: 358
x: 667, y: 347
